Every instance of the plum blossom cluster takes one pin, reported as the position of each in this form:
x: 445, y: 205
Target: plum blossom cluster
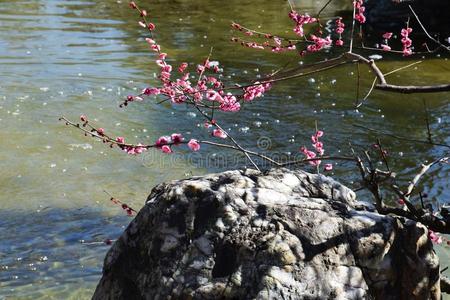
x: 360, y: 9
x: 434, y: 237
x: 132, y: 149
x: 319, y: 43
x: 339, y: 30
x: 316, y: 42
x: 128, y: 209
x: 386, y: 36
x: 406, y: 41
x: 208, y: 91
x: 319, y: 151
x: 163, y: 143
x: 256, y: 91
x: 300, y: 21
x: 277, y: 44
x: 279, y: 47
x: 271, y: 42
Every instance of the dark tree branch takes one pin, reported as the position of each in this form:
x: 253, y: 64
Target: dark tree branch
x: 405, y: 89
x: 445, y: 284
x: 401, y: 137
x: 412, y: 89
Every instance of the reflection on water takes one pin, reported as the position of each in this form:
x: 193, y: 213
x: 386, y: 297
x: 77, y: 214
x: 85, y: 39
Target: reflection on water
x: 74, y: 57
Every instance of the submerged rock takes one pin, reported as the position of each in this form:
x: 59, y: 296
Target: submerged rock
x: 276, y: 235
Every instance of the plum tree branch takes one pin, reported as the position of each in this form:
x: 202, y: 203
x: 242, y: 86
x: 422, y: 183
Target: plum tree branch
x: 405, y: 89
x: 425, y: 30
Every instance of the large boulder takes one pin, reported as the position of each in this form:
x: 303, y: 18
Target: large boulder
x: 275, y: 235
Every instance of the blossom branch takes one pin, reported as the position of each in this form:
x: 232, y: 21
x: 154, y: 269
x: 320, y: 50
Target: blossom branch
x: 94, y: 133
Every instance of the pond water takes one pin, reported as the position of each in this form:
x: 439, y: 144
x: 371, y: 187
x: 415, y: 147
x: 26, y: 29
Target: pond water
x: 83, y: 57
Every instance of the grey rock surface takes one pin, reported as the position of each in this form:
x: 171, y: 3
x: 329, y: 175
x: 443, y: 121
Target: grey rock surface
x: 276, y: 235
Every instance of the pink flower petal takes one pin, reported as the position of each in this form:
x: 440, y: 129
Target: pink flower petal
x: 194, y: 145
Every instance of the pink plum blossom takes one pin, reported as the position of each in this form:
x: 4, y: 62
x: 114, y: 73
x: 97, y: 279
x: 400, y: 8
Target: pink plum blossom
x: 194, y: 145
x: 230, y: 103
x: 387, y: 35
x: 255, y: 91
x: 319, y: 43
x: 406, y: 41
x: 434, y: 237
x: 182, y: 67
x: 164, y: 140
x: 300, y: 20
x: 360, y: 9
x: 340, y: 27
x: 155, y: 47
x: 151, y: 91
x: 310, y: 155
x: 176, y: 138
x: 139, y: 149
x: 166, y: 149
x: 219, y: 133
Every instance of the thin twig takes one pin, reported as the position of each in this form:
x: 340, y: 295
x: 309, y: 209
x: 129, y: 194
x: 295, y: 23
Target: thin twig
x: 323, y: 7
x: 383, y: 85
x: 426, y: 32
x: 427, y: 121
x: 401, y: 137
x: 422, y: 171
x: 358, y: 83
x: 353, y: 29
x: 383, y: 154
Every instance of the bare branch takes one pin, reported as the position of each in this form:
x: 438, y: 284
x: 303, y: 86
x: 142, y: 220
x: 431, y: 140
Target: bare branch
x: 406, y: 89
x: 426, y: 32
x: 422, y: 171
x: 412, y: 89
x: 402, y: 137
x: 323, y: 7
x: 353, y: 29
